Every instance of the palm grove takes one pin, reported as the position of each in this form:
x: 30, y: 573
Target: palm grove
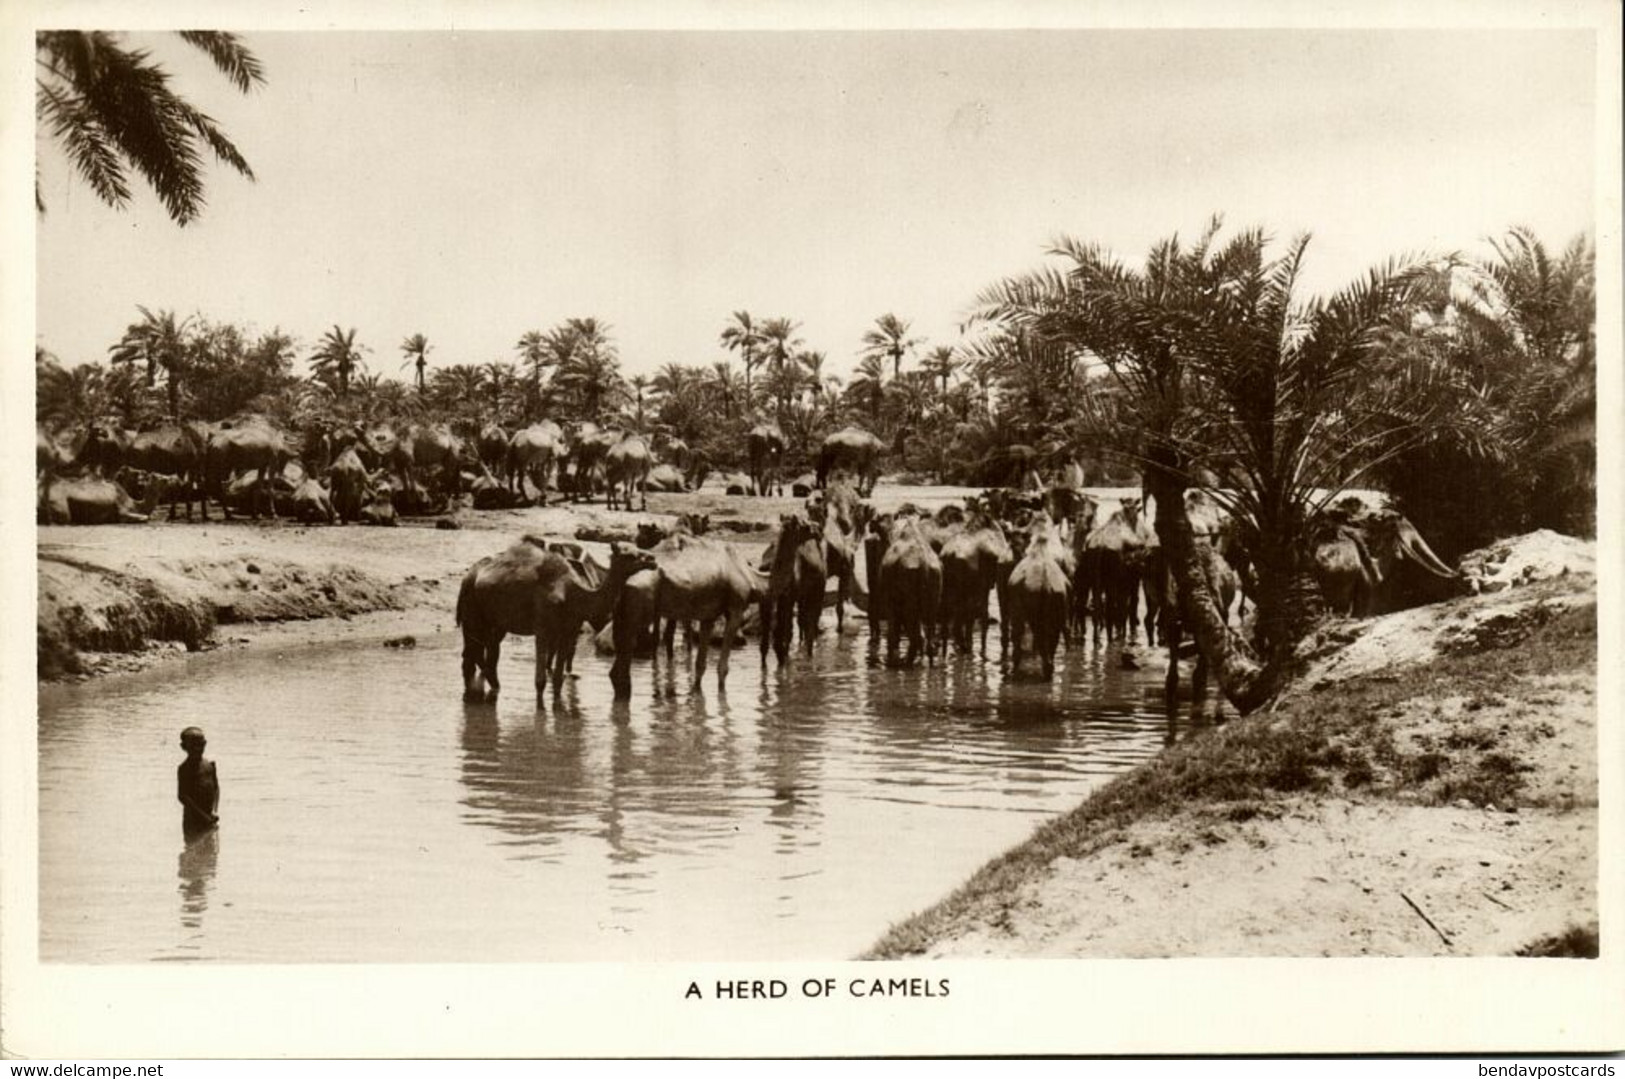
x: 1463, y: 386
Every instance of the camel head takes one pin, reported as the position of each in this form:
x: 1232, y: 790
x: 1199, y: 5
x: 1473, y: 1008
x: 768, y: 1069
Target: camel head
x: 648, y: 535
x: 693, y: 524
x: 626, y: 559
x: 1393, y: 535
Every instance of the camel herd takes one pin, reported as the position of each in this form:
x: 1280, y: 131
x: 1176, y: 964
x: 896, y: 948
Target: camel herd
x: 370, y: 473
x: 1059, y: 561
x: 1060, y: 565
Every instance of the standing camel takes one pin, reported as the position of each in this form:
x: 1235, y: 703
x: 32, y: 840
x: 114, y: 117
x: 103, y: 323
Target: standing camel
x: 528, y: 590
x: 626, y: 469
x: 796, y: 572
x: 765, y: 448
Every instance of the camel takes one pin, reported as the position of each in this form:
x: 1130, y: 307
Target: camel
x: 250, y: 445
x: 971, y: 561
x: 311, y: 503
x: 350, y: 485
x: 530, y: 591
x: 587, y: 452
x: 1040, y: 596
x: 838, y: 513
x: 626, y: 468
x: 1113, y: 562
x: 696, y: 580
x: 491, y: 446
x: 534, y: 452
x: 796, y: 572
x: 175, y: 451
x: 765, y: 449
x: 437, y: 451
x: 92, y: 500
x: 1174, y: 614
x: 909, y: 590
x: 666, y: 479
x: 1358, y: 550
x: 1085, y: 510
x: 855, y: 451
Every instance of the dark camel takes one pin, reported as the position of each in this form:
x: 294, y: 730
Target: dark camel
x: 531, y: 591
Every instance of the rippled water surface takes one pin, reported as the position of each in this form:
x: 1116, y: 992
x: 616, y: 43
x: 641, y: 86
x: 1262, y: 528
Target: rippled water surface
x: 368, y: 814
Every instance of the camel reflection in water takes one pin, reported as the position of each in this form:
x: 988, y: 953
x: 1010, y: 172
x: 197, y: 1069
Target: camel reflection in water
x: 674, y: 771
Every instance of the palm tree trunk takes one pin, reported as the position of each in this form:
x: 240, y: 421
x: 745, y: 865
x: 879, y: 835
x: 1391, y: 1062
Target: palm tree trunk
x: 1246, y: 683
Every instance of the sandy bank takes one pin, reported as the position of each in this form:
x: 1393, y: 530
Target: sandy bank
x: 1429, y: 789
x: 122, y: 597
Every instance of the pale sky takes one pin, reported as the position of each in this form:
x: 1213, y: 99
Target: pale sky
x: 471, y: 187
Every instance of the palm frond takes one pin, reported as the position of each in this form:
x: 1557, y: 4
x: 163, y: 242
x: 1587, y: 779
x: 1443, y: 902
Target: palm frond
x: 230, y: 55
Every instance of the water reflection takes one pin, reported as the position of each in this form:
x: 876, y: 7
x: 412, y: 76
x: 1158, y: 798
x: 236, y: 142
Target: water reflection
x: 791, y: 816
x: 195, y: 868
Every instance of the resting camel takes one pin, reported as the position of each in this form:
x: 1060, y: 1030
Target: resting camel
x: 311, y: 503
x: 530, y: 591
x: 626, y: 469
x: 1039, y: 594
x: 853, y: 450
x: 765, y: 449
x: 92, y: 500
x: 796, y: 573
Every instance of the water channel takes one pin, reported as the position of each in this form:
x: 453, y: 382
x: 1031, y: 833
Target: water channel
x: 369, y: 815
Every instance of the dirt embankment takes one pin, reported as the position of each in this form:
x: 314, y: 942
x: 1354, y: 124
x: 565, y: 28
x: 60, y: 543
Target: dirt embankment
x: 121, y: 597
x: 1428, y: 789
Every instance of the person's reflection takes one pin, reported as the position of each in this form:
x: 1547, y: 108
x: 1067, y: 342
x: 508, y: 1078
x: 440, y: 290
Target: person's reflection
x: 195, y: 869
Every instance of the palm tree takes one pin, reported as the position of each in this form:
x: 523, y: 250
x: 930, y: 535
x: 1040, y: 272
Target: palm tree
x: 1505, y: 349
x: 726, y: 385
x: 416, y: 349
x: 591, y: 374
x: 160, y: 343
x: 1223, y: 369
x: 638, y: 384
x: 458, y: 389
x: 889, y: 337
x: 867, y: 388
x: 941, y: 363
x: 337, y: 358
x: 111, y: 109
x: 536, y: 350
x: 744, y: 337
x: 500, y: 383
x: 71, y: 397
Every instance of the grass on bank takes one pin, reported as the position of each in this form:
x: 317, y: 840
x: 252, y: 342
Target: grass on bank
x: 1350, y: 739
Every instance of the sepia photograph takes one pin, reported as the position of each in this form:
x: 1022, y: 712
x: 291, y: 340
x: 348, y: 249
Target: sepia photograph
x: 810, y: 509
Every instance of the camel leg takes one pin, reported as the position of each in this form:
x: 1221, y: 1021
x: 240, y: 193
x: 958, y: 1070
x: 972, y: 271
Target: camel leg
x: 811, y: 608
x: 1198, y: 688
x: 704, y: 652
x: 784, y: 625
x: 765, y: 623
x: 544, y: 659
x: 894, y: 630
x: 1170, y: 688
x: 493, y: 653
x: 730, y: 627
x: 473, y: 654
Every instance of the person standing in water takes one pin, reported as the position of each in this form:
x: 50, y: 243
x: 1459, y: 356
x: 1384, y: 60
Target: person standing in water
x: 197, y: 785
